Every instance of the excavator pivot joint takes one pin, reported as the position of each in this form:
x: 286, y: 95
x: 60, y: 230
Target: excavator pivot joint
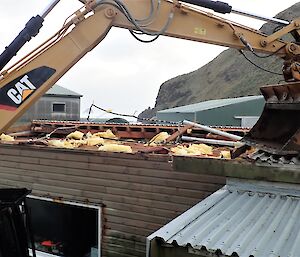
x: 110, y: 13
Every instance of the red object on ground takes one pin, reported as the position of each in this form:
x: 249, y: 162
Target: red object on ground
x: 48, y: 243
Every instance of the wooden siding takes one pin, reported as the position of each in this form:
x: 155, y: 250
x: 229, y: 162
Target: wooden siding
x: 140, y: 193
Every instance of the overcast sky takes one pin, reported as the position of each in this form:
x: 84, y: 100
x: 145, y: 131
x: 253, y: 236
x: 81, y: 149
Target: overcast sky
x: 121, y: 73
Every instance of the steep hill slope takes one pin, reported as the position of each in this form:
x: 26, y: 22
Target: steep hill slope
x: 228, y: 75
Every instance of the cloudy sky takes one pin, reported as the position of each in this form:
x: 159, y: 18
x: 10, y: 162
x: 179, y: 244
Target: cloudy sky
x: 121, y: 73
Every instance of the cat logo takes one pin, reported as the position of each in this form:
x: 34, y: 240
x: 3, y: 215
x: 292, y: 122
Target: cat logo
x: 21, y: 90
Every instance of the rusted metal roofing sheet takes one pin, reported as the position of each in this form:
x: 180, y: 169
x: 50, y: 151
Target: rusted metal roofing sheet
x: 272, y: 158
x: 241, y: 219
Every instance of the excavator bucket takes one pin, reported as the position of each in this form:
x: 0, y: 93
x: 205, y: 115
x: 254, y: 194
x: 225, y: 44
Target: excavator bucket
x: 278, y: 128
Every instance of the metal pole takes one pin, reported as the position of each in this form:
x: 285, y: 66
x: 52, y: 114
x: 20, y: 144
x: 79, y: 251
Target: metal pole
x: 212, y: 141
x: 212, y: 130
x: 49, y: 8
x: 223, y: 7
x: 259, y: 17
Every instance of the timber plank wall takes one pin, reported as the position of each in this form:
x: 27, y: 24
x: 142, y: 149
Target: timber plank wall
x: 140, y: 193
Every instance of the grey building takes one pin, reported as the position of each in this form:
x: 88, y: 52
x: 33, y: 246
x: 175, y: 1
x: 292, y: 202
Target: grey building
x: 241, y: 111
x: 58, y: 103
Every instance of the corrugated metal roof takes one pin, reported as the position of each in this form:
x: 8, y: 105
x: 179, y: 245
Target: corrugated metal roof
x: 259, y: 155
x: 247, y: 219
x: 211, y: 104
x: 58, y: 90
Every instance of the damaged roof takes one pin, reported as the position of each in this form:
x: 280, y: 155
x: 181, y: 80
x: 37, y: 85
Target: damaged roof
x: 242, y: 219
x: 129, y: 138
x: 174, y: 140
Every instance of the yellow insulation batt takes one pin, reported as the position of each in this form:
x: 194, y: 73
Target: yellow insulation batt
x: 107, y: 134
x: 75, y: 135
x: 61, y: 144
x: 4, y: 137
x: 193, y: 149
x: 115, y: 148
x: 159, y: 138
x: 179, y: 150
x: 226, y: 154
x: 93, y: 141
x: 200, y: 149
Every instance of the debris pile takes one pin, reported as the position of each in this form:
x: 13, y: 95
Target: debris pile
x: 107, y: 141
x: 188, y: 139
x: 175, y: 143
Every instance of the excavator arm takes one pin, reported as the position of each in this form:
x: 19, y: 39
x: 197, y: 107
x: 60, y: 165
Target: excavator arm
x: 25, y: 82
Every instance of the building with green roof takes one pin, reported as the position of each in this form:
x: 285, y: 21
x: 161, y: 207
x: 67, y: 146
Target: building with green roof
x: 59, y: 103
x: 241, y: 111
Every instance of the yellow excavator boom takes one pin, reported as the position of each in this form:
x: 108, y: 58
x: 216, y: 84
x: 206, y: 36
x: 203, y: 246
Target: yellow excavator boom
x: 25, y: 82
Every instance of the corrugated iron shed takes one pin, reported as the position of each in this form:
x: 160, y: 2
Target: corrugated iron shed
x: 58, y: 103
x: 242, y: 219
x: 220, y: 112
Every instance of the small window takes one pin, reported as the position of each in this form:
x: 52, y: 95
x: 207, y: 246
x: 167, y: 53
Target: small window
x: 59, y: 107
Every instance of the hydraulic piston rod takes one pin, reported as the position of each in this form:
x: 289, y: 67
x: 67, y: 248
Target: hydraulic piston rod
x: 222, y: 7
x: 259, y: 17
x: 49, y: 8
x: 31, y: 29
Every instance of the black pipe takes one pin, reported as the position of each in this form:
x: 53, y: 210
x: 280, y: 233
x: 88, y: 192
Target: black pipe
x: 217, y: 6
x: 31, y: 29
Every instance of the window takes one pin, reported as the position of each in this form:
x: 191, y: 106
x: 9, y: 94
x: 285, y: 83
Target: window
x: 65, y: 229
x: 58, y: 107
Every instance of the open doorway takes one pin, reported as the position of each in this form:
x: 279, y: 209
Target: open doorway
x: 66, y: 229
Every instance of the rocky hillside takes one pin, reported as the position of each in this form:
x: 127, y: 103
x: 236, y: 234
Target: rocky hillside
x: 228, y: 75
